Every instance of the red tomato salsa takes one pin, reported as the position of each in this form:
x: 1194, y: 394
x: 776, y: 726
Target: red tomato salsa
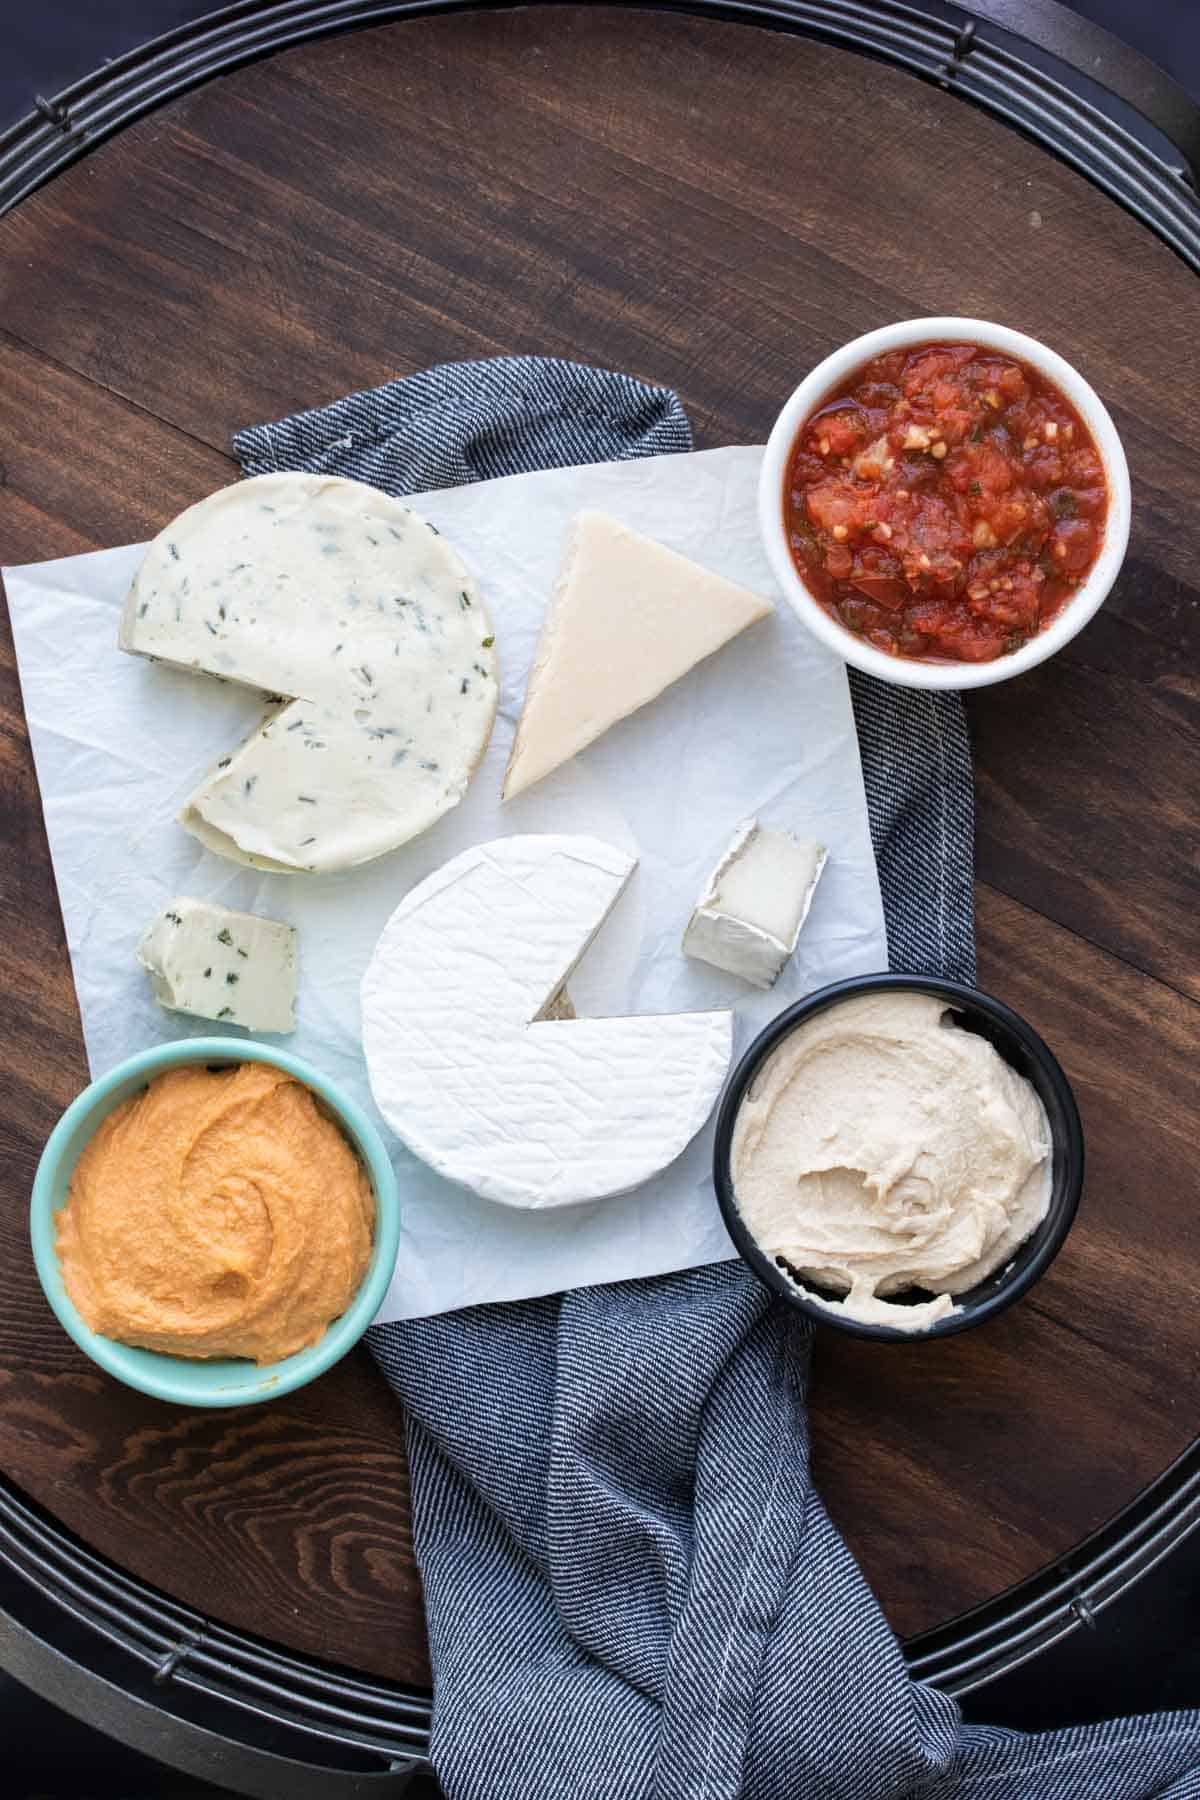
x: 945, y: 502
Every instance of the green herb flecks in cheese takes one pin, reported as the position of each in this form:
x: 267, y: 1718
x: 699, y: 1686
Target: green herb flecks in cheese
x: 218, y: 964
x: 351, y: 606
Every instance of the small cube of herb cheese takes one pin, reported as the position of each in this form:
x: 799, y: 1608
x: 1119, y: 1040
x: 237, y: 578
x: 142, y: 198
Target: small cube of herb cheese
x: 214, y: 963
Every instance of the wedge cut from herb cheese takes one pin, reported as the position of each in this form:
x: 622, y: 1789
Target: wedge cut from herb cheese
x: 234, y: 967
x: 749, y: 918
x: 627, y: 618
x: 369, y: 635
x: 469, y: 1070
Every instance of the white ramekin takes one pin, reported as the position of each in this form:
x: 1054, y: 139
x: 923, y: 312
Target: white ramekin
x: 829, y: 375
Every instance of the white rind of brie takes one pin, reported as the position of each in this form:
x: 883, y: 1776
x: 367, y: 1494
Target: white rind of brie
x: 235, y: 967
x: 528, y: 1111
x: 369, y: 636
x: 749, y: 918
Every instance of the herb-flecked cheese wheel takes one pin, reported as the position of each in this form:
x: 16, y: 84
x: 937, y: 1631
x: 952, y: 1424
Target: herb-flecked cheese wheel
x: 367, y: 631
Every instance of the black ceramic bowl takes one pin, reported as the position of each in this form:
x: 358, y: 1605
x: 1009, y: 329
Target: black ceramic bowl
x: 1023, y: 1049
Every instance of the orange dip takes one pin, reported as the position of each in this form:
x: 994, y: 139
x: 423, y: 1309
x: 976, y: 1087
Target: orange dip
x: 217, y: 1213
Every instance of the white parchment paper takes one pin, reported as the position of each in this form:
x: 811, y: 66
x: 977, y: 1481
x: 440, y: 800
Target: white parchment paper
x: 762, y: 727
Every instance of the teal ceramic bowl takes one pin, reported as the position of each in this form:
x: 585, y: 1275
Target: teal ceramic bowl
x: 196, y: 1381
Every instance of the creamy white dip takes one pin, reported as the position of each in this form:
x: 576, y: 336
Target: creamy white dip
x: 882, y: 1147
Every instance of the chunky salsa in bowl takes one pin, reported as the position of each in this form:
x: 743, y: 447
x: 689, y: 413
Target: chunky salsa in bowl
x: 947, y: 499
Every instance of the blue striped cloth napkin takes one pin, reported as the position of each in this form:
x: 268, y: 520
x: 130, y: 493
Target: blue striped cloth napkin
x: 633, y: 1589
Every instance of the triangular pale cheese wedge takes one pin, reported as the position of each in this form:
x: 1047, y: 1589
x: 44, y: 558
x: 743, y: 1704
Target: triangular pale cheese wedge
x: 627, y: 618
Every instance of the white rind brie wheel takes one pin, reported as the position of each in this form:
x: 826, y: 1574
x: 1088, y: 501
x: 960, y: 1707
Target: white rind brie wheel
x: 527, y: 1111
x: 368, y: 632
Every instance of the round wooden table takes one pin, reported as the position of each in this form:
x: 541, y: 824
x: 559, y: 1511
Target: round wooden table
x: 714, y: 207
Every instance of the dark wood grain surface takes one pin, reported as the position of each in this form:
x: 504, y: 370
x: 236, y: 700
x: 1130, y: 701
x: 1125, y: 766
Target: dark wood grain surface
x: 715, y: 207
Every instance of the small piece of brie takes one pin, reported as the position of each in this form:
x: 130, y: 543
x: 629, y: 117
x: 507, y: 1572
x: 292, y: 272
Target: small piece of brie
x: 748, y: 918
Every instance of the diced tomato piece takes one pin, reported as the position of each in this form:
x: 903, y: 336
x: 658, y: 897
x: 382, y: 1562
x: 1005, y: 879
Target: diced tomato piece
x: 1015, y: 606
x: 843, y: 431
x: 1005, y: 379
x: 1074, y: 545
x: 929, y: 366
x: 1043, y: 468
x: 875, y: 558
x: 805, y: 470
x: 885, y: 590
x: 930, y: 617
x: 1084, y: 469
x: 975, y: 646
x: 1091, y: 502
x: 1055, y: 595
x: 857, y: 613
x: 878, y: 394
x: 1023, y: 420
x: 889, y: 367
x: 954, y: 423
x: 989, y: 467
x: 806, y: 554
x: 1015, y: 516
x: 957, y: 469
x: 935, y: 530
x: 1012, y: 383
x: 910, y: 642
x: 972, y: 640
x: 833, y: 502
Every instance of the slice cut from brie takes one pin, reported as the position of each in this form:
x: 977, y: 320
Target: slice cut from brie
x: 235, y: 967
x: 749, y: 917
x: 467, y: 1069
x: 627, y: 618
